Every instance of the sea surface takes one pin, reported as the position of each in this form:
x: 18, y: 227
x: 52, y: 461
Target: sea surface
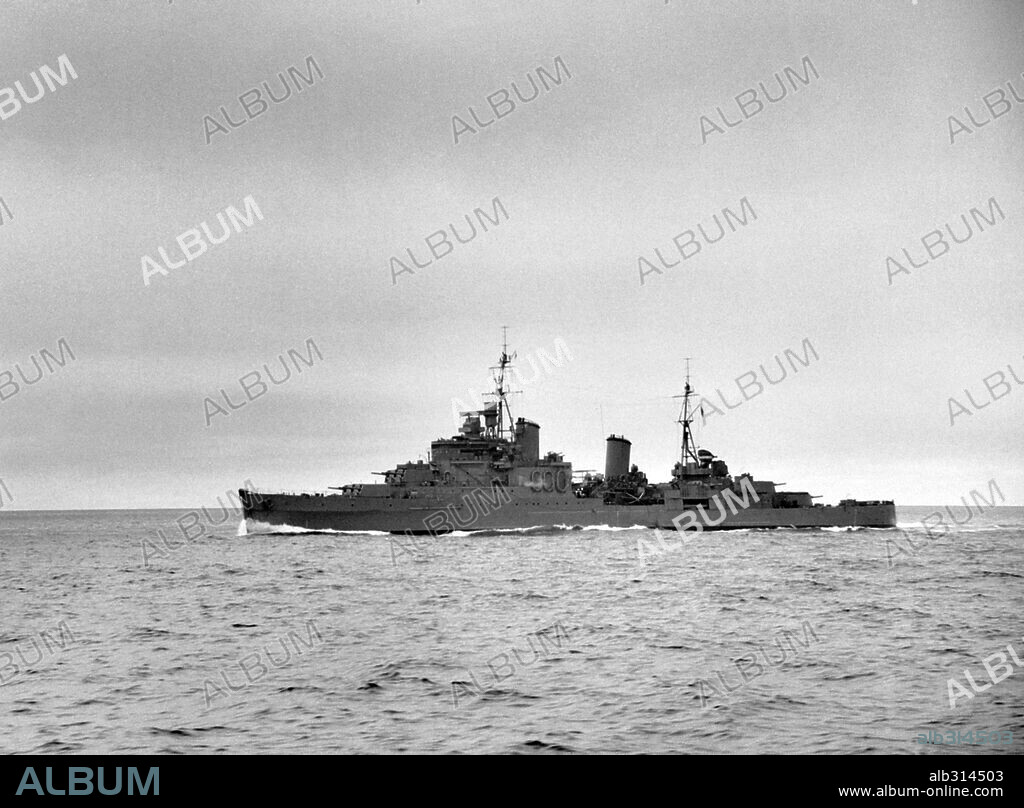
x: 546, y: 641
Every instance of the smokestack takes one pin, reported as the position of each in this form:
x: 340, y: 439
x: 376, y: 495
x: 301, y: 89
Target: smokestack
x: 616, y: 458
x: 528, y: 440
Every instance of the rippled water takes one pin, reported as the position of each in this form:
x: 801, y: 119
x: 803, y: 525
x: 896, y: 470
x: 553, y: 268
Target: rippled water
x: 556, y: 640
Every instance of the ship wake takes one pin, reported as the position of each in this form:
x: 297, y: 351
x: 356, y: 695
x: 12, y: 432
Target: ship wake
x: 263, y: 529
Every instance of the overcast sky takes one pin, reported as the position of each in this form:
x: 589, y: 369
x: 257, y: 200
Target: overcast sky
x: 595, y: 172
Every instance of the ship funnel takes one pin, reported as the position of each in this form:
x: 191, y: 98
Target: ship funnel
x: 528, y: 440
x: 616, y: 458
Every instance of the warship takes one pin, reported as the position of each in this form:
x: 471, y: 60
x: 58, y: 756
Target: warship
x: 492, y: 476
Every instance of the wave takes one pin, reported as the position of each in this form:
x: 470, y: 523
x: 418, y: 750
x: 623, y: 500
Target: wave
x: 501, y: 531
x: 610, y: 528
x: 918, y: 528
x: 263, y: 529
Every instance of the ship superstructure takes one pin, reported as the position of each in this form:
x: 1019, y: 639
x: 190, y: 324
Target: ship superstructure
x: 491, y: 475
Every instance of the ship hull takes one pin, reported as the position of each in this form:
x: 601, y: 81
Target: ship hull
x: 500, y: 510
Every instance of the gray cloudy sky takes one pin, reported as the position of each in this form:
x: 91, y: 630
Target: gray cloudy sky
x: 594, y: 173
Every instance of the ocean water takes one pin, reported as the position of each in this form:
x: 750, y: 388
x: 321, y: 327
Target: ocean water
x: 775, y: 641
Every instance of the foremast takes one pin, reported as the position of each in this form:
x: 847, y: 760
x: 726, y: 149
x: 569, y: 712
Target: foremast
x: 688, y: 450
x: 501, y: 393
x: 496, y: 411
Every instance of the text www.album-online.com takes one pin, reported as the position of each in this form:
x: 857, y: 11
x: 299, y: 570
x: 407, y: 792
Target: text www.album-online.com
x: 912, y: 791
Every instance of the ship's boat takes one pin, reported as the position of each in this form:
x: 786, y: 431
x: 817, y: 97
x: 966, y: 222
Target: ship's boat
x: 492, y: 475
